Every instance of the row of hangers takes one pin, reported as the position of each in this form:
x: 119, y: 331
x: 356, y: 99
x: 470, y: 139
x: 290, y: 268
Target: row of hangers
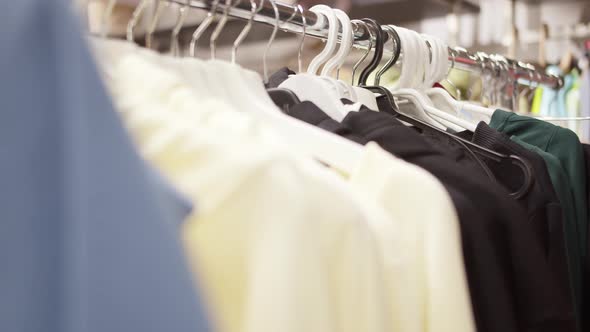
x: 412, y: 99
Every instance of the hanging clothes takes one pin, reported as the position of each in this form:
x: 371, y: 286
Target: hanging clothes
x: 572, y: 101
x: 491, y: 313
x: 560, y: 142
x: 566, y: 147
x: 89, y: 237
x: 537, y: 100
x: 585, y: 105
x: 545, y: 214
x: 551, y: 105
x: 339, y: 236
x: 186, y: 200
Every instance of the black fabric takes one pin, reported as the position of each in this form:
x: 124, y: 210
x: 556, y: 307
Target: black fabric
x: 586, y: 292
x: 541, y: 203
x: 459, y: 153
x: 510, y: 282
x: 279, y: 77
x: 520, y: 292
x: 308, y: 112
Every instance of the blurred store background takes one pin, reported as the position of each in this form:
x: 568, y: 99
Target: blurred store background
x: 540, y: 32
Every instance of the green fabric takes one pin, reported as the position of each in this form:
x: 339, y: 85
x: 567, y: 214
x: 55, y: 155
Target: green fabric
x: 564, y: 145
x: 561, y: 184
x: 561, y: 143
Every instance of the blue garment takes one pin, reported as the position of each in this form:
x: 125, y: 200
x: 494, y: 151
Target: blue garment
x: 86, y: 244
x: 549, y: 101
x: 177, y: 206
x: 561, y: 106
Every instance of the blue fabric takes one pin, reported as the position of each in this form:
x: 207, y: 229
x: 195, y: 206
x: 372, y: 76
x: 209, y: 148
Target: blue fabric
x: 177, y: 206
x: 561, y: 107
x: 550, y: 104
x: 86, y: 244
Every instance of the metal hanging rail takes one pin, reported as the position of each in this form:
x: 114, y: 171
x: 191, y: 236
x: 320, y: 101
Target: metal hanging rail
x: 293, y: 20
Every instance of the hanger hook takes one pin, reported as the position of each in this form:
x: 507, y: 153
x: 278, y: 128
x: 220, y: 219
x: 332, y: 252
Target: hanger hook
x: 106, y: 18
x: 220, y: 26
x: 484, y: 71
x: 396, y: 50
x: 202, y: 28
x: 296, y: 9
x: 453, y: 61
x: 182, y: 13
x: 302, y: 40
x: 378, y: 51
x: 531, y: 80
x: 272, y: 38
x: 366, y: 54
x: 244, y: 33
x: 149, y: 37
x: 326, y: 16
x: 136, y: 16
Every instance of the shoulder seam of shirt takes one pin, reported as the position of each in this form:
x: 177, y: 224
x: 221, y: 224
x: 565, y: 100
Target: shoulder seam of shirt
x: 505, y: 120
x: 550, y: 140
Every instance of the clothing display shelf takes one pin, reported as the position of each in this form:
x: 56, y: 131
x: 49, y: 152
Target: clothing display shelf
x: 293, y: 20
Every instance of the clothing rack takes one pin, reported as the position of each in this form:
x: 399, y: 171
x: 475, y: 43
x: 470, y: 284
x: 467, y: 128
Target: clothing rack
x: 293, y: 20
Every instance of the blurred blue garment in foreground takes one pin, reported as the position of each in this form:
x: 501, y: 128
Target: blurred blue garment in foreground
x: 88, y: 236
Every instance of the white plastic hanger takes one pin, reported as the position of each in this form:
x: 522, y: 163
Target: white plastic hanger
x: 246, y: 92
x: 335, y: 63
x: 328, y: 13
x: 403, y: 86
x: 345, y: 44
x: 419, y: 63
x: 353, y: 93
x: 440, y: 97
x: 431, y: 69
x: 364, y: 96
x: 308, y: 86
x: 306, y: 139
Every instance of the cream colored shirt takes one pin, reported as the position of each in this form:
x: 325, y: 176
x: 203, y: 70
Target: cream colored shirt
x: 425, y: 272
x: 277, y: 241
x: 283, y: 244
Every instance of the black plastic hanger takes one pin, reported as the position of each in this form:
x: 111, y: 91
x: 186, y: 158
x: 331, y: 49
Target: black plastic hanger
x: 487, y: 153
x: 372, y: 24
x: 390, y: 34
x: 470, y: 146
x: 283, y: 98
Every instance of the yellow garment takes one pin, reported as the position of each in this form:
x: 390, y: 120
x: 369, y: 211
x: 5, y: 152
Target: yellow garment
x: 537, y: 99
x: 284, y: 244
